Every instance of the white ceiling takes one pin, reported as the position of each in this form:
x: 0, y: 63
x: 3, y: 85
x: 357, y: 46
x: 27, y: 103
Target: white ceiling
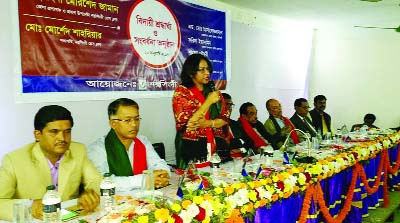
x: 318, y: 13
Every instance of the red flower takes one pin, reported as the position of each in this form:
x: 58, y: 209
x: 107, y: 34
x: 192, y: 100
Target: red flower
x: 177, y: 218
x: 205, y: 182
x: 308, y: 176
x: 281, y: 185
x: 355, y: 155
x: 258, y: 194
x: 202, y: 214
x: 179, y: 171
x: 130, y: 216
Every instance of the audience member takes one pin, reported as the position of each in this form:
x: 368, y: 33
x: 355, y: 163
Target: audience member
x: 123, y: 152
x: 255, y: 134
x: 200, y: 113
x: 52, y: 160
x: 320, y: 119
x: 279, y: 126
x: 300, y: 118
x: 369, y: 120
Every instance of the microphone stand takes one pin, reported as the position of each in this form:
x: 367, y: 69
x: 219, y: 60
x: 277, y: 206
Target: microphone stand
x: 306, y: 159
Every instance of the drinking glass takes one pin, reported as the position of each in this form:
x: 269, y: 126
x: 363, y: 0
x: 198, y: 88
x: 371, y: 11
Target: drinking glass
x: 147, y: 184
x: 22, y: 211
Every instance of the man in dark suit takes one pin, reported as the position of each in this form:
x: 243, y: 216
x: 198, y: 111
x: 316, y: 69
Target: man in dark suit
x: 320, y: 119
x: 300, y: 119
x: 255, y: 135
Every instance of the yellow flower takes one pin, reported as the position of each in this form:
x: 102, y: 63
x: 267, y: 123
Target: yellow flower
x: 143, y: 219
x: 171, y: 219
x: 252, y: 195
x: 243, y: 209
x: 186, y: 203
x: 251, y: 184
x: 218, y: 190
x: 295, y: 170
x: 229, y: 190
x: 206, y: 220
x: 217, y: 206
x: 257, y: 204
x: 207, y: 197
x: 176, y: 207
x: 236, y: 186
x: 161, y: 214
x: 198, y: 199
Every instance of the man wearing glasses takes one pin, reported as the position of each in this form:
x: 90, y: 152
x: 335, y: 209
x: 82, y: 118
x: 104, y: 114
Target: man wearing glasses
x: 235, y: 131
x: 300, y: 118
x: 124, y: 153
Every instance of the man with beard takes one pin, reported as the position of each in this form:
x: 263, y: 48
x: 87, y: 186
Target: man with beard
x: 124, y: 153
x: 320, y: 119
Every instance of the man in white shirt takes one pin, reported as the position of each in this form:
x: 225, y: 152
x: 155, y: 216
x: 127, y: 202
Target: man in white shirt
x: 124, y: 153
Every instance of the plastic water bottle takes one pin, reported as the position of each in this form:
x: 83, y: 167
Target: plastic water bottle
x: 51, y: 205
x: 107, y: 193
x: 215, y: 162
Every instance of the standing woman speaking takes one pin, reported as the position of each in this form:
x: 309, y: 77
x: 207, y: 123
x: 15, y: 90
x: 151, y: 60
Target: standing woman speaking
x: 200, y: 113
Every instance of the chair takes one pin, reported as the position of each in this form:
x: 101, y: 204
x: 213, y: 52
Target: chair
x: 160, y: 149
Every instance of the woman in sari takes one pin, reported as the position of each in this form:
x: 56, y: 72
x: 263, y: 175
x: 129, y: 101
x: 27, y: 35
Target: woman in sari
x: 200, y: 113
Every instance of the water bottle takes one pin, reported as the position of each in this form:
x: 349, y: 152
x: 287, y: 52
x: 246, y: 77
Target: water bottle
x: 319, y: 135
x: 215, y: 162
x: 51, y: 205
x: 107, y: 193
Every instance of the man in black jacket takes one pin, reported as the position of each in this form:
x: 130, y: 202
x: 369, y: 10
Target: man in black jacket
x: 300, y: 119
x: 320, y: 119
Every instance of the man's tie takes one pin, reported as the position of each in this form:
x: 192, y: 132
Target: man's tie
x: 309, y: 126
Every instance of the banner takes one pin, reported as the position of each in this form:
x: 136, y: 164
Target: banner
x: 116, y: 45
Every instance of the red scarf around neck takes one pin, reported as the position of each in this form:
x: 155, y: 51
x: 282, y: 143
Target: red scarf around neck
x: 293, y: 135
x: 139, y: 157
x: 210, y: 135
x: 258, y: 141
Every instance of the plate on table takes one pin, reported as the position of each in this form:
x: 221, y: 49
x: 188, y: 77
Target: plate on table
x: 148, y: 194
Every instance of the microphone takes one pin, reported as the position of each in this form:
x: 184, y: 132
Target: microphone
x: 212, y: 85
x: 306, y: 159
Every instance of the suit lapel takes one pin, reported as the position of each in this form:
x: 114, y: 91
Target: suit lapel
x: 42, y: 165
x: 64, y: 172
x: 309, y: 125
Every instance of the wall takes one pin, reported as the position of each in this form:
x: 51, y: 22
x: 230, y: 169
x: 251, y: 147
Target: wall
x: 357, y: 70
x: 267, y: 61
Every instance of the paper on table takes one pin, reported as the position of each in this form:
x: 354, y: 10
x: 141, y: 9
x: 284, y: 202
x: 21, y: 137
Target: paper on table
x: 68, y: 215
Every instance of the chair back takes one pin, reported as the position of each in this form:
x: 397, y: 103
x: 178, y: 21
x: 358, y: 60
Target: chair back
x: 160, y: 149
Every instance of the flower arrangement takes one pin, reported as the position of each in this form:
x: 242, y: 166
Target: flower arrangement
x: 222, y: 202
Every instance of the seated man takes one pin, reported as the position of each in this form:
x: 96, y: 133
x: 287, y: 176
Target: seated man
x: 52, y: 160
x: 300, y: 119
x: 254, y: 135
x: 320, y: 119
x: 124, y: 153
x: 369, y: 120
x: 235, y: 131
x: 278, y: 126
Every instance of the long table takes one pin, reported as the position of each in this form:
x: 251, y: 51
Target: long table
x: 347, y: 195
x: 339, y: 188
